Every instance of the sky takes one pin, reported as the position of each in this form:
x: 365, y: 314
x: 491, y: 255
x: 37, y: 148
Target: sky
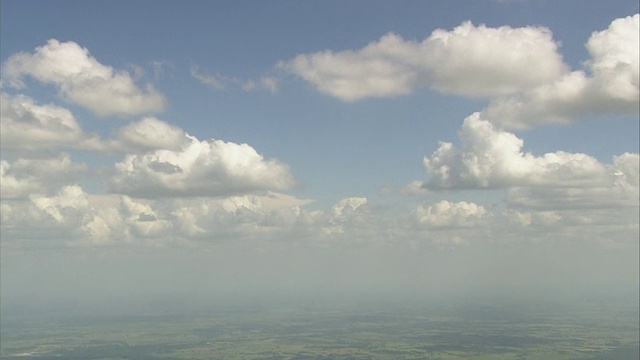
x: 225, y: 150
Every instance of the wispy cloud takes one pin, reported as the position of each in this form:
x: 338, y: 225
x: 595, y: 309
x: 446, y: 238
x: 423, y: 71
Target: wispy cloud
x: 222, y: 83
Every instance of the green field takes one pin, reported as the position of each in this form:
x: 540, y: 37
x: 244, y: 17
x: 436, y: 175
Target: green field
x: 357, y: 331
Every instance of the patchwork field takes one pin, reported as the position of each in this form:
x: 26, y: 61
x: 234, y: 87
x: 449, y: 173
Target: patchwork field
x: 592, y: 331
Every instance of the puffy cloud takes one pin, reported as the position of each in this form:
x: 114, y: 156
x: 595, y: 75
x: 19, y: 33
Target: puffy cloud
x: 469, y: 60
x: 69, y: 203
x: 83, y: 80
x: 415, y: 187
x: 448, y: 224
x: 199, y: 168
x: 350, y: 218
x: 612, y: 87
x: 621, y: 190
x: 270, y: 216
x: 37, y: 176
x: 615, y: 59
x: 493, y: 158
x: 448, y: 214
x: 117, y: 219
x: 151, y: 134
x: 76, y: 218
x: 71, y: 217
x: 143, y: 220
x: 347, y: 205
x: 16, y: 186
x: 79, y: 219
x: 26, y: 125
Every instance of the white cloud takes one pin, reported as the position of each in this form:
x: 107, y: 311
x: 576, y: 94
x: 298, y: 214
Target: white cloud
x: 269, y: 83
x: 612, y: 86
x: 582, y: 226
x: 620, y: 190
x: 266, y: 217
x: 493, y: 158
x: 221, y: 82
x: 74, y: 218
x: 216, y: 82
x: 347, y: 205
x: 151, y: 134
x: 200, y: 168
x: 70, y: 202
x: 526, y: 219
x: 37, y: 176
x: 143, y: 220
x: 16, y: 186
x: 83, y: 80
x: 71, y: 217
x: 448, y: 214
x: 615, y: 60
x: 415, y: 187
x: 118, y: 219
x: 25, y: 125
x: 469, y: 60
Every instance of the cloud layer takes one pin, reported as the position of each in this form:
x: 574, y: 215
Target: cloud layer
x: 171, y: 188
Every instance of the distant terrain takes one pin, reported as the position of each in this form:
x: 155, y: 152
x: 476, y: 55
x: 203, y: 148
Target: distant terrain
x: 354, y: 331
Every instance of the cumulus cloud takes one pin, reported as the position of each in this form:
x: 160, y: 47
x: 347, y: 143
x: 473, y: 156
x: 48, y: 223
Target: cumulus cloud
x: 72, y: 217
x: 83, y: 80
x: 615, y: 58
x: 80, y: 219
x: 272, y: 216
x: 26, y: 125
x: 347, y: 205
x: 469, y: 60
x: 609, y: 86
x: 493, y: 158
x: 68, y: 204
x: 199, y: 168
x: 620, y: 190
x: 37, y: 176
x: 151, y: 133
x: 448, y: 214
x: 554, y: 196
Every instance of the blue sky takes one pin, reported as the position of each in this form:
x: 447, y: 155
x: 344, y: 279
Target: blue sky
x: 332, y: 121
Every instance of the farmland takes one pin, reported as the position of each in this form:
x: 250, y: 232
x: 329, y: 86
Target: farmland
x: 353, y: 331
